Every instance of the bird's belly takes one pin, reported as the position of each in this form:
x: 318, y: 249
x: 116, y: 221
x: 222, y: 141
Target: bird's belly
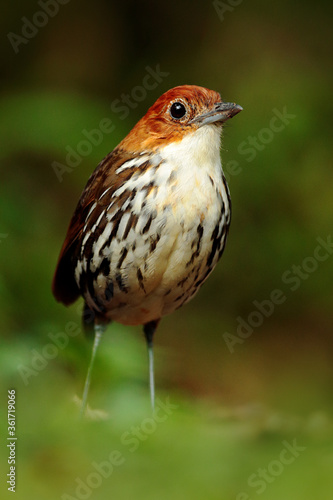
x: 170, y: 277
x: 174, y: 246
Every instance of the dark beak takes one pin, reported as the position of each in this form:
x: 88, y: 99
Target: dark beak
x: 221, y: 112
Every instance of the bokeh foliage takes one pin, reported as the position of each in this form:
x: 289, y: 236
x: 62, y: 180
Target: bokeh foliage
x: 234, y: 409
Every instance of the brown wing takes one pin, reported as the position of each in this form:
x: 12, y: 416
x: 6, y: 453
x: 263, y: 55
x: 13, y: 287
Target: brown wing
x: 64, y: 286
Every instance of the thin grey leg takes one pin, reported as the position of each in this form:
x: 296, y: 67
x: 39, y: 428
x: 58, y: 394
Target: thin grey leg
x: 99, y: 330
x: 149, y: 330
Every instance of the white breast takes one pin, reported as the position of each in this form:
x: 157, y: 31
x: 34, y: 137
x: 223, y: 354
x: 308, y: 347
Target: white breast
x: 190, y: 204
x: 198, y: 198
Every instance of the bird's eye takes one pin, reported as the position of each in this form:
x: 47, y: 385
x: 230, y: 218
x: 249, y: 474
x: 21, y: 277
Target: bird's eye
x: 177, y: 110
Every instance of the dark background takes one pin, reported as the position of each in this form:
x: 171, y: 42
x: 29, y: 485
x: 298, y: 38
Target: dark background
x: 241, y: 394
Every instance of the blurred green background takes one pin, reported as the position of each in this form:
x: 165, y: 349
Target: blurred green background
x: 250, y: 411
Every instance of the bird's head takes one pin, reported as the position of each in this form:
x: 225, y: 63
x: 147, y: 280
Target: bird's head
x: 178, y: 112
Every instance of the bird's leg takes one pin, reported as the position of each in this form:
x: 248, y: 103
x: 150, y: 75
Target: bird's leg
x: 149, y: 330
x: 99, y: 329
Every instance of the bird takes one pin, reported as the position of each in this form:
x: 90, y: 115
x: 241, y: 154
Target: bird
x: 152, y: 221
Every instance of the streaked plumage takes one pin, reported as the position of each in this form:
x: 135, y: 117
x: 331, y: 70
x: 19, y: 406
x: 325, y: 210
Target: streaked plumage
x: 153, y: 219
